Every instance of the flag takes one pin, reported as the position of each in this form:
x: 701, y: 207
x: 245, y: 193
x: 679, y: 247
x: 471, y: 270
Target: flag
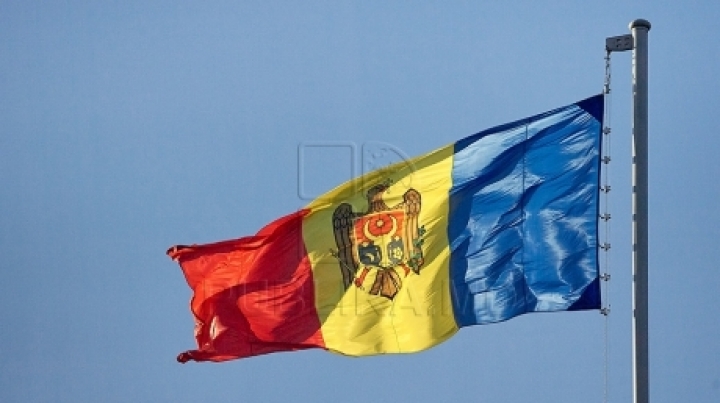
x: 498, y: 224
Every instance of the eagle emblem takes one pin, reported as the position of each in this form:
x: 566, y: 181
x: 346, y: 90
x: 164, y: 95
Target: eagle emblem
x: 385, y: 240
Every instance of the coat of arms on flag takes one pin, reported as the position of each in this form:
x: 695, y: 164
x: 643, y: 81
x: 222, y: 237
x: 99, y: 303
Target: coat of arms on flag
x: 384, y: 242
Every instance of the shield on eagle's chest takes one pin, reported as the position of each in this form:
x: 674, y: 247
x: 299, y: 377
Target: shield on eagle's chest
x: 378, y: 239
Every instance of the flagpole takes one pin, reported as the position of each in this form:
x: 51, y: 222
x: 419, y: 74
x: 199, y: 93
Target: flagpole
x: 639, y: 29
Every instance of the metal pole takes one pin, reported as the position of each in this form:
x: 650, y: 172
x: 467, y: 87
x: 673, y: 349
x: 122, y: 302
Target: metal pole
x: 639, y: 29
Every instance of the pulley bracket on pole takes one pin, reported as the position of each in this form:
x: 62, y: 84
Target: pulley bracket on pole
x: 619, y: 43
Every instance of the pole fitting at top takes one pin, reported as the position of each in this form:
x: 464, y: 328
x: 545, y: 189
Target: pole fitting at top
x: 640, y: 23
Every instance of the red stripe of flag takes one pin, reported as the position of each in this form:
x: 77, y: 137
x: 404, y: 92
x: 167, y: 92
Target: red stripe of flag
x: 253, y: 295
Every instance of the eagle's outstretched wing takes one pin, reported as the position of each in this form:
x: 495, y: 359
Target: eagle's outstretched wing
x: 412, y: 204
x: 343, y: 219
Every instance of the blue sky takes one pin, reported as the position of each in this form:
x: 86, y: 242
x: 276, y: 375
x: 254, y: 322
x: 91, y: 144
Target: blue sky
x: 127, y: 127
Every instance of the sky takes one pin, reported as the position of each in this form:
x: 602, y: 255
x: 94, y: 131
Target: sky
x: 130, y: 126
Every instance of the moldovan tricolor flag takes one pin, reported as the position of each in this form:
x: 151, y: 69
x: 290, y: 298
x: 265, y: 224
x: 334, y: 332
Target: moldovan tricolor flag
x: 498, y: 224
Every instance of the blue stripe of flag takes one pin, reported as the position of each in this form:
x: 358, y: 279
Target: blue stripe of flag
x: 523, y: 216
